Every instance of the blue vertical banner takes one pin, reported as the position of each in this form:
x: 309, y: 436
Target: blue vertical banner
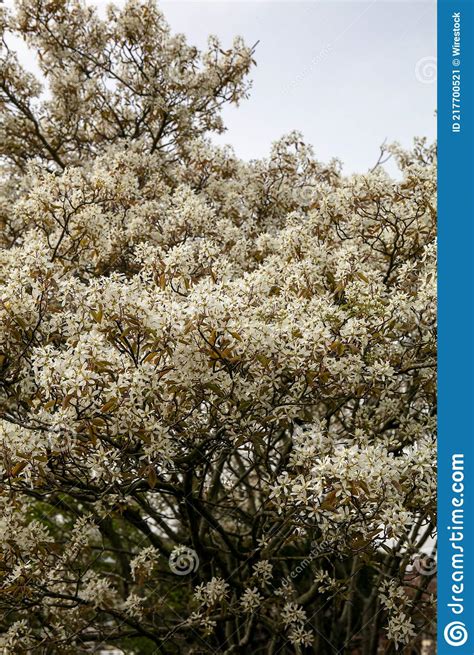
x: 456, y: 327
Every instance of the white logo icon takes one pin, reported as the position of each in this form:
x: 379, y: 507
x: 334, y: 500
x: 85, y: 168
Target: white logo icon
x: 455, y: 633
x: 183, y: 560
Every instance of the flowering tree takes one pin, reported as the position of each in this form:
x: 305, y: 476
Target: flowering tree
x: 217, y: 378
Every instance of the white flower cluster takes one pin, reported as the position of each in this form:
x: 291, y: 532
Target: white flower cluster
x: 251, y: 600
x: 200, y: 350
x: 400, y: 627
x: 212, y: 592
x: 294, y: 618
x: 141, y: 566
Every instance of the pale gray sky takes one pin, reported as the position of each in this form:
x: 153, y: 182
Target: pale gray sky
x: 343, y: 73
x: 346, y: 74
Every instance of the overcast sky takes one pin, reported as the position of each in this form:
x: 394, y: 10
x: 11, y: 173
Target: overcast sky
x: 343, y: 73
x: 346, y: 74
